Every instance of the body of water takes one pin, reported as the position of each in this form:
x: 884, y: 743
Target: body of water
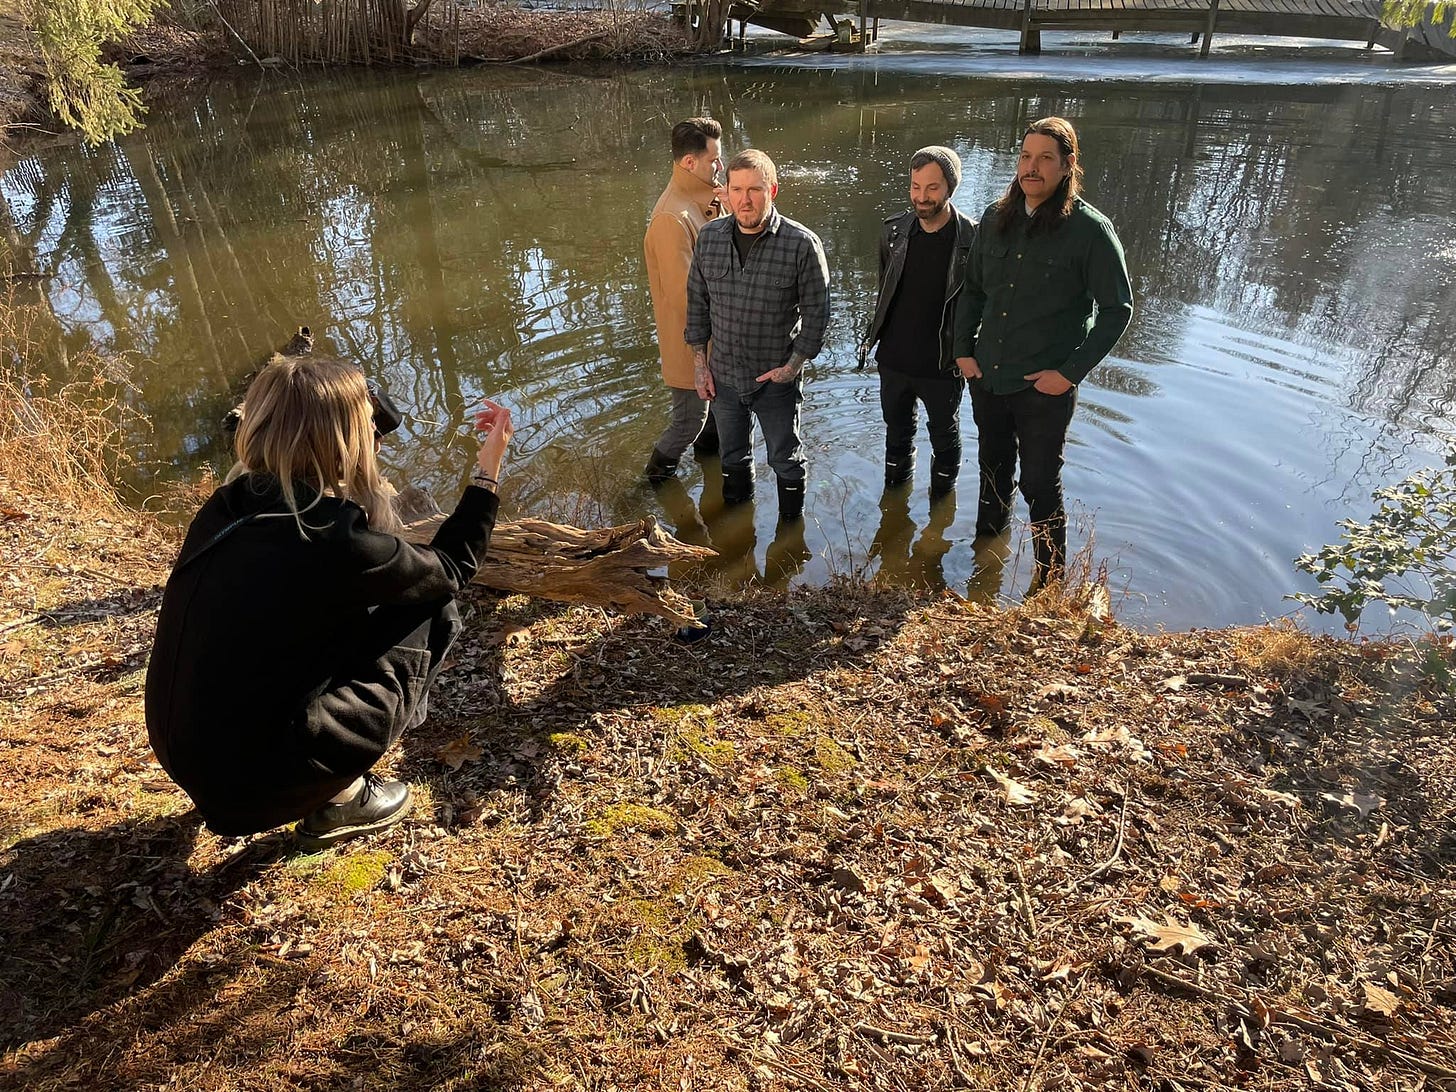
x: 1290, y: 238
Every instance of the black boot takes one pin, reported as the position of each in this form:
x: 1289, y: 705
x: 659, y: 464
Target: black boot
x: 1049, y: 551
x: 791, y: 501
x: 707, y: 442
x: 899, y: 469
x: 737, y: 485
x: 993, y: 516
x: 377, y: 804
x: 659, y: 468
x: 944, y: 470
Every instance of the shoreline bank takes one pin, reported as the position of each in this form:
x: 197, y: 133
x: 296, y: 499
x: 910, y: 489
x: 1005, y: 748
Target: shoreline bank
x: 856, y: 838
x: 165, y: 58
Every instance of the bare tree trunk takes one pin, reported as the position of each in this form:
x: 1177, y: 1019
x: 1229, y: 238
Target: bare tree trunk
x: 713, y: 25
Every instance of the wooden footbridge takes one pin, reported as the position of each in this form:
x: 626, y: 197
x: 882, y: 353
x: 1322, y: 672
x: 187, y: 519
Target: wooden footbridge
x: 1341, y: 19
x: 1345, y: 20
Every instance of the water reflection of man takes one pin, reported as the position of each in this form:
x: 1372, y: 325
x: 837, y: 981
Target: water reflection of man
x: 923, y: 254
x: 1047, y: 296
x: 691, y: 199
x: 920, y: 565
x: 759, y: 288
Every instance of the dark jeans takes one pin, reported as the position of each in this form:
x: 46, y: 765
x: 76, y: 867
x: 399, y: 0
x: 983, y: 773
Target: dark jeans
x: 941, y: 395
x: 776, y: 407
x: 1032, y: 426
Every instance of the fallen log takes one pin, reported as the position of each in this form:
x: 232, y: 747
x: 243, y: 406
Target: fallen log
x: 606, y: 567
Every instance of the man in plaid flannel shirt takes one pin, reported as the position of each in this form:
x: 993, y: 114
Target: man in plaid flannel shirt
x: 759, y: 289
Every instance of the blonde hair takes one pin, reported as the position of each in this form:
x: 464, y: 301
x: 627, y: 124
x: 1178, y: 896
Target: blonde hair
x: 307, y: 421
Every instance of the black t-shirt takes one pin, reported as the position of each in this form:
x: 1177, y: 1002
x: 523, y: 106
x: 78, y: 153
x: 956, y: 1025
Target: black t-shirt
x: 910, y: 337
x: 745, y: 242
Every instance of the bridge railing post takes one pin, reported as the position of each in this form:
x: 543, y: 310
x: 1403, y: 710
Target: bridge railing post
x: 1208, y: 29
x: 1030, y: 35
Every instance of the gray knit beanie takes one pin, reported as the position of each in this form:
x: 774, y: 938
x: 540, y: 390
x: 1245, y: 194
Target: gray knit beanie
x: 950, y: 163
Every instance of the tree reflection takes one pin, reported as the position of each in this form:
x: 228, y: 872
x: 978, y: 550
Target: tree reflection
x: 481, y: 233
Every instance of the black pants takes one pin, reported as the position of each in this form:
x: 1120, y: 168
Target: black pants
x: 941, y: 395
x: 369, y: 691
x: 1030, y: 426
x: 381, y: 690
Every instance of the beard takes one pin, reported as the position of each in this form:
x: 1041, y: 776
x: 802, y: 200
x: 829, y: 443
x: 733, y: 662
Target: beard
x: 929, y: 210
x: 751, y: 219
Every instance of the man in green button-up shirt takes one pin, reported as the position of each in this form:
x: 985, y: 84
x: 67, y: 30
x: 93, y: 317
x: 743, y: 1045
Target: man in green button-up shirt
x: 1046, y: 297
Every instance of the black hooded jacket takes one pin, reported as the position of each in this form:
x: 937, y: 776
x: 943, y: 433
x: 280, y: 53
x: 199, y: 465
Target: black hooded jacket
x: 258, y: 621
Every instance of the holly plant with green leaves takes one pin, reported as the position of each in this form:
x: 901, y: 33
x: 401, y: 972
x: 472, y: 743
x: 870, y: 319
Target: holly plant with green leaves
x: 1404, y: 556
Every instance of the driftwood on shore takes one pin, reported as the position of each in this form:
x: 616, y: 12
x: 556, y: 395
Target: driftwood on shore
x: 607, y: 567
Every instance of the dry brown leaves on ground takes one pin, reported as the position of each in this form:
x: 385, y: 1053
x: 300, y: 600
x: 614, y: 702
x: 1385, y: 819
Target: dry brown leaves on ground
x: 852, y: 840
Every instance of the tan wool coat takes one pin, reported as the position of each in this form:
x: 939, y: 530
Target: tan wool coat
x: 680, y: 213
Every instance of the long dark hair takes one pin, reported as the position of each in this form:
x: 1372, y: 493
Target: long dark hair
x: 1052, y: 212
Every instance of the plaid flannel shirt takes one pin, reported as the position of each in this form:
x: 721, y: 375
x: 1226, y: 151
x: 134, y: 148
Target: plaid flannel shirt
x: 757, y: 316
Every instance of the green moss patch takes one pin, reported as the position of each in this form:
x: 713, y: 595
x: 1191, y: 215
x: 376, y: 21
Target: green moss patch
x: 831, y: 757
x: 618, y: 817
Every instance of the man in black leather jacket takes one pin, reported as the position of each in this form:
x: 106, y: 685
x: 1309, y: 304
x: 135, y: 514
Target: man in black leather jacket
x: 923, y: 253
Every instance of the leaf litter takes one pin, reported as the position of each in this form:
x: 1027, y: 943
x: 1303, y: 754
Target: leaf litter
x: 775, y: 859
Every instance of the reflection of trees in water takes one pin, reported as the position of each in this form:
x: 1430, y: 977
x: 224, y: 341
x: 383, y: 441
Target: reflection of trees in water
x: 367, y: 251
x: 1319, y: 236
x: 466, y: 235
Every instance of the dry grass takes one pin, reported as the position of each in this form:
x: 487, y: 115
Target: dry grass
x: 61, y: 440
x: 67, y: 438
x: 1279, y: 649
x: 347, y: 32
x: 21, y: 101
x: 505, y: 32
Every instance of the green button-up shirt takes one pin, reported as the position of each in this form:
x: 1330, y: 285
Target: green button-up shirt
x: 1058, y: 300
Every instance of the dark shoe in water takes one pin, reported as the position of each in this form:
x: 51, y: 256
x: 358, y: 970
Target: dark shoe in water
x: 659, y: 468
x: 791, y: 501
x: 377, y: 805
x: 737, y: 485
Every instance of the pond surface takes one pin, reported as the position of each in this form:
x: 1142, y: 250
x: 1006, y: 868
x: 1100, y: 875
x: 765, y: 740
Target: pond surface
x: 1292, y: 248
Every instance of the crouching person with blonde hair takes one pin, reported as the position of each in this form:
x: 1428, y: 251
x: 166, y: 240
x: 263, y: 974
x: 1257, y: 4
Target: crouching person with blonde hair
x: 299, y: 635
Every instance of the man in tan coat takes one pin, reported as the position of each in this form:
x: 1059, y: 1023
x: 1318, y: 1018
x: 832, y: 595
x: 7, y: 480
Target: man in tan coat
x: 690, y: 201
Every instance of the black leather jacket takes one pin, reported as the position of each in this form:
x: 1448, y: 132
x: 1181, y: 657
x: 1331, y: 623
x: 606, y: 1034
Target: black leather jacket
x: 894, y: 242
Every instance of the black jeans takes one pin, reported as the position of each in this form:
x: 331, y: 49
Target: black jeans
x: 942, y: 397
x: 1032, y: 426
